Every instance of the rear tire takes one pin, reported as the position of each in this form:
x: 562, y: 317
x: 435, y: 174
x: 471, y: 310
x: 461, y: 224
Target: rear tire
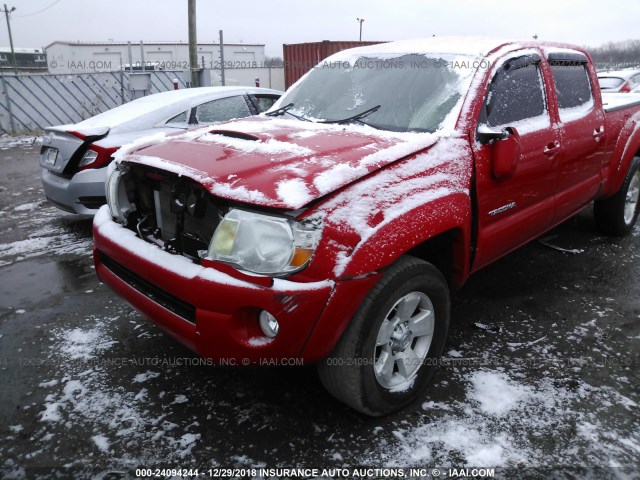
x: 388, y: 353
x: 617, y: 215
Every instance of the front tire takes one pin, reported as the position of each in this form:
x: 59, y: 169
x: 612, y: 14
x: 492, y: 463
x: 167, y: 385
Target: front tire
x: 388, y: 353
x: 617, y: 215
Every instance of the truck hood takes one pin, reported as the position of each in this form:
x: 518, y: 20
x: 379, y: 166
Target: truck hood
x: 275, y: 162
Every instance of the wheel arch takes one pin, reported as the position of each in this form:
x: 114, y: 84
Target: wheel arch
x: 438, y: 232
x: 624, y: 152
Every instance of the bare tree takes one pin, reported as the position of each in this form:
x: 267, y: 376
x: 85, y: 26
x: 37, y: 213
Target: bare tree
x: 616, y: 56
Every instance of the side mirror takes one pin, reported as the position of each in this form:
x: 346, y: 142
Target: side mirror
x: 487, y: 135
x: 505, y: 154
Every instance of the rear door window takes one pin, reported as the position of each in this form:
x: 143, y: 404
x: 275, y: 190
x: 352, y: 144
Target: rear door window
x: 222, y: 109
x: 573, y: 89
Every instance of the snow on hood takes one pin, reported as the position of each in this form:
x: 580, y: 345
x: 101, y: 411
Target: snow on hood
x: 275, y: 162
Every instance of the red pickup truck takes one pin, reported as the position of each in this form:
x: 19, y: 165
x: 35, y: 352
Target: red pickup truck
x: 332, y: 229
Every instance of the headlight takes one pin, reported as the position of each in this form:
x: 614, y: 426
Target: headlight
x: 119, y: 205
x: 263, y: 244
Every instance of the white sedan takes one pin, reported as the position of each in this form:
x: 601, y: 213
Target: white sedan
x: 74, y: 158
x: 621, y: 81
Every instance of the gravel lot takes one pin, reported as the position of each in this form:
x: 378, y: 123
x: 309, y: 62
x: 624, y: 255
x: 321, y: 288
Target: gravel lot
x: 541, y: 369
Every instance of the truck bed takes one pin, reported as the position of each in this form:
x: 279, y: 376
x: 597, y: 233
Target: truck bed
x: 618, y: 101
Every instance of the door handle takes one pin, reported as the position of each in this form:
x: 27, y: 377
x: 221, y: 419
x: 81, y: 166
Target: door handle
x: 552, y: 149
x: 597, y: 133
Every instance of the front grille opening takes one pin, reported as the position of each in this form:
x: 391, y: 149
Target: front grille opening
x: 172, y: 212
x: 152, y: 292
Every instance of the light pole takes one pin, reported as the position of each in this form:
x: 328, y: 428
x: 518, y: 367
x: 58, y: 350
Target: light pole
x: 360, y: 20
x: 13, y: 53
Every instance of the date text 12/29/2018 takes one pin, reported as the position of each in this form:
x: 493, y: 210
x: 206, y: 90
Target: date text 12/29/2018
x: 311, y: 472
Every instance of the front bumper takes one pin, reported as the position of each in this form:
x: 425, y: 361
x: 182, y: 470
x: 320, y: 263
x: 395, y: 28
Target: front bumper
x: 215, y: 314
x: 82, y: 194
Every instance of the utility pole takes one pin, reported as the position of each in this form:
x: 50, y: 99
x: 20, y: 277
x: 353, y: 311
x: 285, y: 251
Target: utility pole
x: 222, y: 58
x: 13, y: 53
x: 360, y: 20
x: 193, y: 43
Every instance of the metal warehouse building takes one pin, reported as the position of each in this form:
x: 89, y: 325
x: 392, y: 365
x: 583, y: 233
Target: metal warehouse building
x: 27, y: 59
x: 86, y: 57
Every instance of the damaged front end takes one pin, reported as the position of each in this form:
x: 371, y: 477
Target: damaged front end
x: 181, y: 217
x: 171, y: 211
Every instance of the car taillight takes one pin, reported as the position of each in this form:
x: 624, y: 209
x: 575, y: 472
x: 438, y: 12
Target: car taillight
x: 626, y: 88
x: 96, y: 157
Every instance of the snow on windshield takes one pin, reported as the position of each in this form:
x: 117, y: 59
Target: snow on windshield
x: 414, y: 92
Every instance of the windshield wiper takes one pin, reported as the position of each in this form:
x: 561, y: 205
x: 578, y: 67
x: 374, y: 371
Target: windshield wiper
x: 356, y: 118
x: 280, y: 111
x: 285, y: 109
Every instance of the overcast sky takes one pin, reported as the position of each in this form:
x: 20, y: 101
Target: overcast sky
x: 274, y: 22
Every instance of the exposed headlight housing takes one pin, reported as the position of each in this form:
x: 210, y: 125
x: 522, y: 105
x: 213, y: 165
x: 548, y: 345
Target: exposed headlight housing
x: 264, y: 244
x: 119, y: 205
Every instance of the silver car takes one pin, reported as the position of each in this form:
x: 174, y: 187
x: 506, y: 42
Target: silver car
x: 74, y: 158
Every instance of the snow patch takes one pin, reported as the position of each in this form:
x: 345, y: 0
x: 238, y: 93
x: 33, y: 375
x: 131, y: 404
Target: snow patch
x: 7, y: 141
x: 294, y: 192
x: 48, y: 240
x: 259, y: 341
x: 101, y: 442
x: 48, y: 384
x: 268, y: 147
x: 51, y: 412
x: 143, y: 377
x: 27, y: 207
x: 85, y: 344
x: 576, y: 113
x: 186, y: 443
x: 496, y: 393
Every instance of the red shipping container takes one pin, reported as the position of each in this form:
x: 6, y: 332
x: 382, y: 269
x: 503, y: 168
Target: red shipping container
x: 299, y: 58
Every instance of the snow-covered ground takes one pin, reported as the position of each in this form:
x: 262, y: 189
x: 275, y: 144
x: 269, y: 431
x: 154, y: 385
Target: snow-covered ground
x: 9, y: 141
x: 529, y: 408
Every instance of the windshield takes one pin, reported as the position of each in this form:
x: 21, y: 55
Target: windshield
x: 414, y: 92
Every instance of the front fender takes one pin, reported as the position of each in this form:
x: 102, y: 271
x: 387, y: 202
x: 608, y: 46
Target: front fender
x: 373, y: 222
x: 447, y: 211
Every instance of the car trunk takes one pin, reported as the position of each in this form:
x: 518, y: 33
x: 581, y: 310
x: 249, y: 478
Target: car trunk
x: 62, y: 147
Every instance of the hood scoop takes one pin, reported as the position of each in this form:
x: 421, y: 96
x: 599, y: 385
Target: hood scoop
x: 234, y: 134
